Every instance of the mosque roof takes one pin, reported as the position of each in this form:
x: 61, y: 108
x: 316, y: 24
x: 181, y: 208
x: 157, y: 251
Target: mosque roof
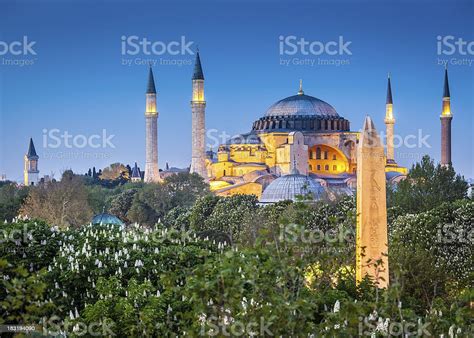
x: 301, y: 105
x: 289, y: 187
x: 105, y: 218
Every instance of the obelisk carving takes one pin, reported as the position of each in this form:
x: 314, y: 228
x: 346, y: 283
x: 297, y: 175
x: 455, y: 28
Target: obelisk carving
x: 371, y: 232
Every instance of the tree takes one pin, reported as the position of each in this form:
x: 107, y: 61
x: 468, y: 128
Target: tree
x: 185, y: 188
x: 121, y: 204
x: 63, y: 203
x: 229, y: 213
x: 150, y: 204
x: 115, y: 172
x: 11, y: 198
x: 427, y: 186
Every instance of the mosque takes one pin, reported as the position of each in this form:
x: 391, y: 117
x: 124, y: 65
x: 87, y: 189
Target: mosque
x: 299, y: 146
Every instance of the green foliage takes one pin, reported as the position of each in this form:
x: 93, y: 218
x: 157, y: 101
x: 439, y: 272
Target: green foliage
x: 120, y: 204
x: 288, y: 272
x: 227, y: 214
x: 444, y: 233
x: 11, y: 197
x: 427, y: 186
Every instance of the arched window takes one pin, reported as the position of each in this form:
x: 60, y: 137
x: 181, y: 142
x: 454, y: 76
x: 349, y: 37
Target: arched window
x: 334, y: 168
x: 334, y: 157
x: 326, y: 167
x: 325, y: 154
x: 318, y: 153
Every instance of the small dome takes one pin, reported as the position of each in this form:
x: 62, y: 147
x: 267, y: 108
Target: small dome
x: 105, y: 218
x: 301, y: 105
x: 288, y: 187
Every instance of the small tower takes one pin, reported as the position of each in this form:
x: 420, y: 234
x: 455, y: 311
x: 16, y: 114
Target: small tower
x: 446, y: 118
x: 198, y: 109
x: 389, y: 124
x: 151, y: 121
x: 136, y: 176
x: 31, y: 171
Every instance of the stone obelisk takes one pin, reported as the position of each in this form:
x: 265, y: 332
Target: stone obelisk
x: 371, y: 233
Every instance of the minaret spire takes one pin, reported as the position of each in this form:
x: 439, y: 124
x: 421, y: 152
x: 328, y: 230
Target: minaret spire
x: 198, y: 73
x: 389, y: 91
x: 446, y: 92
x: 446, y: 118
x: 198, y: 109
x: 31, y: 171
x: 151, y: 137
x: 300, y: 91
x: 389, y: 123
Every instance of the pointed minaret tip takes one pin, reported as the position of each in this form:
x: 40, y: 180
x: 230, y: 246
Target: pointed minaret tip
x: 369, y: 124
x: 31, y: 149
x: 300, y: 91
x: 389, y: 91
x: 446, y: 92
x: 151, y: 82
x: 198, y: 73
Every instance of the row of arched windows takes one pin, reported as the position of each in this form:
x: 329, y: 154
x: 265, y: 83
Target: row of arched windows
x: 302, y: 124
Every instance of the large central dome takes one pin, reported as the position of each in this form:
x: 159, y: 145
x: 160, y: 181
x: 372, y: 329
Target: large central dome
x: 301, y: 105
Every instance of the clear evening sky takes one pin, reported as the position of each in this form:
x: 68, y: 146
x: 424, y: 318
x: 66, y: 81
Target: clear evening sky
x: 77, y: 82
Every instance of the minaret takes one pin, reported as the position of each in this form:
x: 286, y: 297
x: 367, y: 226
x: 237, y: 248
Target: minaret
x: 136, y: 177
x: 389, y: 123
x: 151, y: 119
x: 198, y: 108
x: 31, y: 171
x: 446, y: 118
x: 371, y: 229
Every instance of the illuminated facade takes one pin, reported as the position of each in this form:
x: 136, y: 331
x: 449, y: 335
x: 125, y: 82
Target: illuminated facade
x: 299, y: 132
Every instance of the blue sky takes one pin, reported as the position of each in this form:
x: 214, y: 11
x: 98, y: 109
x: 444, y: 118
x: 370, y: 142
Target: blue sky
x: 77, y: 82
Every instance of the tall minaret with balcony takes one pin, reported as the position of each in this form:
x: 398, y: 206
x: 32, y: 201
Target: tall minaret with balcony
x: 31, y: 171
x: 446, y: 118
x: 151, y: 120
x: 198, y: 108
x: 389, y: 124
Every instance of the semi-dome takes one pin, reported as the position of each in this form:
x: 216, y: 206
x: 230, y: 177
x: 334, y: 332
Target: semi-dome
x: 301, y: 105
x: 289, y: 187
x: 105, y: 218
